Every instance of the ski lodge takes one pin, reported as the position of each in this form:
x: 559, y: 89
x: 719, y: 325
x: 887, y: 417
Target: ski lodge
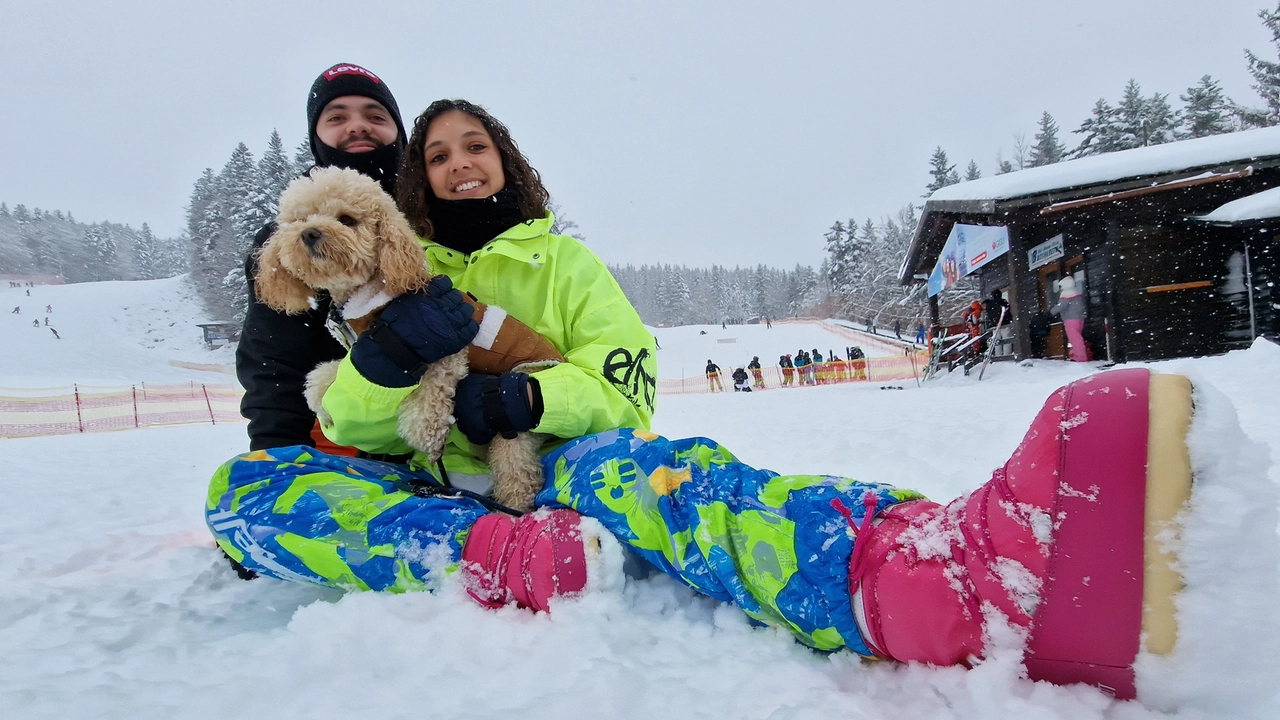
x: 1177, y: 247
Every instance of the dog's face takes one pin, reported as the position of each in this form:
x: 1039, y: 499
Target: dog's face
x: 337, y: 231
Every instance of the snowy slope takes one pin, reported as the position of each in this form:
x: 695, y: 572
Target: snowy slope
x: 684, y: 351
x: 112, y: 333
x: 114, y: 604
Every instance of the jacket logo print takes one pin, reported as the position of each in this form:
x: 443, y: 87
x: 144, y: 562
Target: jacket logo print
x: 636, y: 383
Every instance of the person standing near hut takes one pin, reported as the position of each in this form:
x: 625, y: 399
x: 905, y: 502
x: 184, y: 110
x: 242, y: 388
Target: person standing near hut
x: 1071, y: 308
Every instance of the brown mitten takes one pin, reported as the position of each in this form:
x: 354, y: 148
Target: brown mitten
x: 505, y: 344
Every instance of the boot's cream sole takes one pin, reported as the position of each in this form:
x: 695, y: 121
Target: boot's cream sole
x: 1168, y: 490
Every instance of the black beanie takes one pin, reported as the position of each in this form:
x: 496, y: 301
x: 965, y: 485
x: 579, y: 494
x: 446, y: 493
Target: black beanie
x: 348, y: 79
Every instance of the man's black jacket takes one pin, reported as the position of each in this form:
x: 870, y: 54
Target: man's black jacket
x: 275, y: 354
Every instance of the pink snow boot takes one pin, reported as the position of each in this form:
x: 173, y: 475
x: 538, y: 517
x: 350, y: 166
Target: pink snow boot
x: 1060, y: 541
x: 527, y: 560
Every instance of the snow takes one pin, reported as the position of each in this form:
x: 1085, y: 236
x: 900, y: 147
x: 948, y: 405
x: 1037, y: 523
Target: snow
x: 1153, y: 160
x: 112, y: 333
x: 1259, y: 206
x: 114, y: 603
x: 684, y: 351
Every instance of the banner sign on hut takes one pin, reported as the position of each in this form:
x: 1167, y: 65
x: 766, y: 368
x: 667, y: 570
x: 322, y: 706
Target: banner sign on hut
x: 968, y: 248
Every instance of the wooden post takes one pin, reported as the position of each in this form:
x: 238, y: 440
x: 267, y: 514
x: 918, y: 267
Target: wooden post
x: 79, y: 415
x: 208, y: 404
x: 136, y: 422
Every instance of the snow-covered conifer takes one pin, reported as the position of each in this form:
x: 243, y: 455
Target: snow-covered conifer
x: 942, y: 171
x: 101, y: 253
x: 1101, y: 130
x: 972, y: 172
x: 274, y: 172
x: 1206, y: 110
x: 303, y: 160
x: 1047, y: 150
x: 145, y: 253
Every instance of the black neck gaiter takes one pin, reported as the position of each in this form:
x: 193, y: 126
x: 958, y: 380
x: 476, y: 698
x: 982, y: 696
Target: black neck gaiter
x: 467, y: 225
x: 380, y: 164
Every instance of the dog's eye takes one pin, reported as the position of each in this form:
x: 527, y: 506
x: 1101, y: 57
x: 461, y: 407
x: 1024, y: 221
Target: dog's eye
x: 347, y: 220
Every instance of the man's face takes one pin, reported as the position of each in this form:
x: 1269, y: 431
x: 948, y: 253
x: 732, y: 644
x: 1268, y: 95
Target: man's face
x: 355, y: 124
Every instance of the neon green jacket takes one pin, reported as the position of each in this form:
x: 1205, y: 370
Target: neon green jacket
x: 556, y: 286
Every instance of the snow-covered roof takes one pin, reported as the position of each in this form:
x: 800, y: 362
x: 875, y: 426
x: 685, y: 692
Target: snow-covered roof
x: 1259, y: 206
x: 1095, y: 169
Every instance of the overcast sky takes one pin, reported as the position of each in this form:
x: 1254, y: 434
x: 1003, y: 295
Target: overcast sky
x: 696, y: 133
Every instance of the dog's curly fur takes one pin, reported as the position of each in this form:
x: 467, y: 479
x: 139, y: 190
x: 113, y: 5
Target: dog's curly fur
x: 339, y: 232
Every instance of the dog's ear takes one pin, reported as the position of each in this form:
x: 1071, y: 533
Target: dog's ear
x: 401, y: 260
x: 277, y: 287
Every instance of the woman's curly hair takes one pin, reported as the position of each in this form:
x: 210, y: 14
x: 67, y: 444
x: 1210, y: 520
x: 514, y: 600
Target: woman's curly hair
x: 413, y: 191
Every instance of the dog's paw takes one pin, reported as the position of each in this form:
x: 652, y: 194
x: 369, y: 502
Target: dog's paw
x: 318, y: 382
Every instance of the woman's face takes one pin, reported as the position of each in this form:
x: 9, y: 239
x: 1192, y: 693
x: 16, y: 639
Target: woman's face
x: 462, y: 160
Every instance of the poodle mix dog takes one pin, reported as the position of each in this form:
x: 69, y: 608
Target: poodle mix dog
x: 339, y: 232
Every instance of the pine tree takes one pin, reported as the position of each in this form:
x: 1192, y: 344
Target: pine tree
x: 146, y: 254
x: 673, y: 296
x: 1144, y: 121
x: 303, y: 160
x: 1206, y: 110
x: 942, y: 171
x: 102, y: 253
x: 1003, y: 166
x: 840, y: 261
x: 972, y: 172
x: 1047, y: 150
x: 1102, y: 132
x: 4, y: 210
x: 242, y: 189
x: 1266, y: 76
x: 274, y: 171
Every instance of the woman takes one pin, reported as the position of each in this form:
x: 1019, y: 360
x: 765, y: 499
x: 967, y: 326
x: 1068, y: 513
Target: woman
x: 837, y: 562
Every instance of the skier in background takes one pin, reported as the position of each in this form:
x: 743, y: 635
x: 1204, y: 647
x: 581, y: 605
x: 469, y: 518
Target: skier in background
x: 756, y: 371
x: 740, y: 381
x: 713, y: 377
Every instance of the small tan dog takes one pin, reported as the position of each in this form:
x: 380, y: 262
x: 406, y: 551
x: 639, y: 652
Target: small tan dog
x: 339, y: 232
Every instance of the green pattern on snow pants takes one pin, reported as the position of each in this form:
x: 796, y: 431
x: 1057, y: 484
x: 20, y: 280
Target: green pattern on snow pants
x: 776, y: 545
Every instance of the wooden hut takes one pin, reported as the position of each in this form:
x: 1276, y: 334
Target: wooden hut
x: 1174, y: 245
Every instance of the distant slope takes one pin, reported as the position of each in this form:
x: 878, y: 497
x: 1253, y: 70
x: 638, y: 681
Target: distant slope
x: 685, y: 350
x: 112, y: 333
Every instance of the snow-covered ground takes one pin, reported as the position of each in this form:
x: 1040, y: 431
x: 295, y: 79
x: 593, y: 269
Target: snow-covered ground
x: 114, y: 603
x: 684, y: 351
x: 108, y: 333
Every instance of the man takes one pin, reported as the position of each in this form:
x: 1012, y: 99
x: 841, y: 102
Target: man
x: 353, y: 122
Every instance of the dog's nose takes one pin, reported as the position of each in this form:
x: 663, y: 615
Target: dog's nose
x: 311, y: 236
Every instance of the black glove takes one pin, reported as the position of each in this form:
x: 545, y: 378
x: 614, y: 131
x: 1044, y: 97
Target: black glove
x: 486, y: 405
x: 415, y: 330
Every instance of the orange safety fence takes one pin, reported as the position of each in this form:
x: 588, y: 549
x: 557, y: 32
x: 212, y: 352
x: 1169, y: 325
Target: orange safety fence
x: 77, y: 409
x: 47, y: 411
x: 875, y: 369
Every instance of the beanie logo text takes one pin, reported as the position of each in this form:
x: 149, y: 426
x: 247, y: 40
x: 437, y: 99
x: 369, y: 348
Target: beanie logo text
x: 338, y: 70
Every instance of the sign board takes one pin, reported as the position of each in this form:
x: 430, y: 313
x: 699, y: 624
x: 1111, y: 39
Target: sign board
x: 1046, y: 252
x: 968, y: 248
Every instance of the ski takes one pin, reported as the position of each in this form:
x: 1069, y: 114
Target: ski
x: 991, y: 347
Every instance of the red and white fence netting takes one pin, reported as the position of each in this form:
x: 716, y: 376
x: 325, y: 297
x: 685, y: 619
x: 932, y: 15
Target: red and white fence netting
x: 54, y: 411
